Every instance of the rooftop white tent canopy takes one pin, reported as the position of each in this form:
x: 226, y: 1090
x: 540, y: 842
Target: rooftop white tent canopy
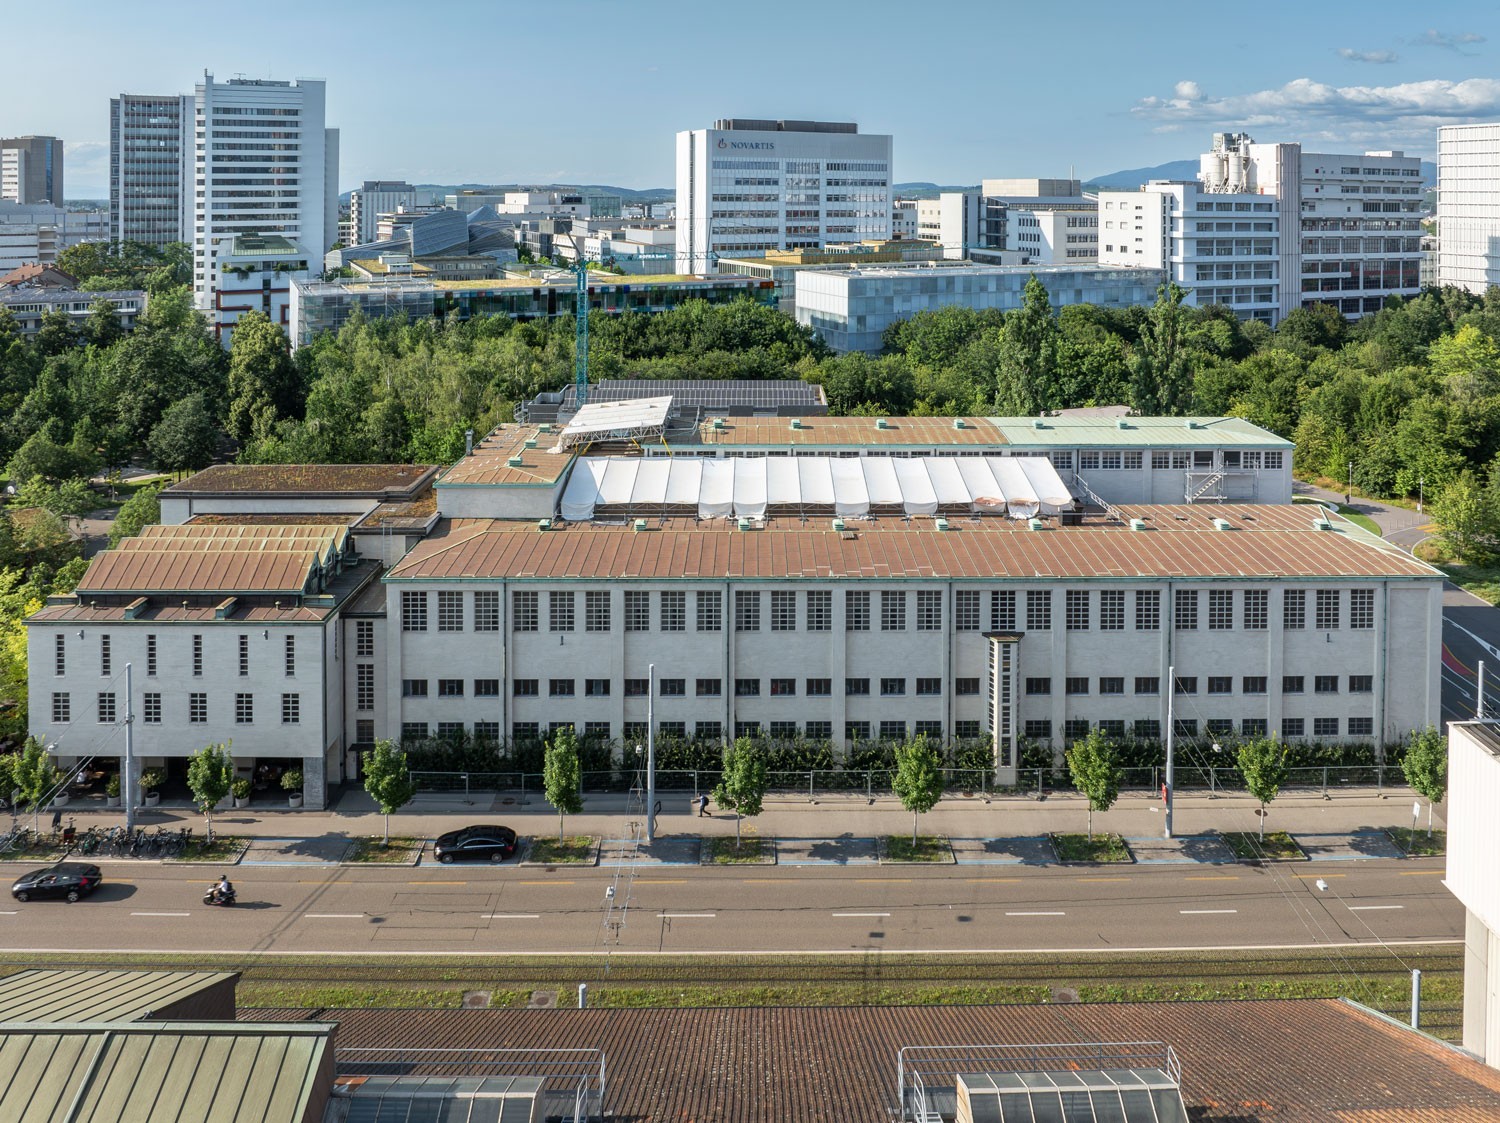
x: 632, y: 418
x: 751, y: 487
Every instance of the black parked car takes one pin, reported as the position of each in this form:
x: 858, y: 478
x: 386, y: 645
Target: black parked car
x: 489, y: 841
x: 69, y: 880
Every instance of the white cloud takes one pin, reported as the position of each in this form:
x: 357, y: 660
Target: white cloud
x: 1435, y: 38
x: 1378, y: 57
x: 1401, y: 115
x: 1188, y: 91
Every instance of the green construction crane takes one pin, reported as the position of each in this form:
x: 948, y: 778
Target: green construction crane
x: 581, y: 320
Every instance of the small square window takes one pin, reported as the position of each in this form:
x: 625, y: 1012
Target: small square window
x: 596, y: 688
x: 560, y: 688
x: 1077, y: 684
x: 710, y: 687
x: 783, y: 687
x: 747, y: 688
x: 672, y: 688
x: 1220, y: 684
x: 637, y: 687
x: 892, y: 687
x: 1039, y: 686
x: 820, y: 688
x: 855, y: 687
x: 450, y: 688
x: 929, y: 687
x: 526, y: 687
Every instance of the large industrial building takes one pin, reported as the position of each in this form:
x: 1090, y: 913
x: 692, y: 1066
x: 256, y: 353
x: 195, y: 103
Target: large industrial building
x: 845, y: 579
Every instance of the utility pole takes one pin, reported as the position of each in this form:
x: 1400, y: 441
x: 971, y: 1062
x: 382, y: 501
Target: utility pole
x: 1169, y: 793
x: 127, y: 773
x: 1349, y: 494
x: 650, y: 753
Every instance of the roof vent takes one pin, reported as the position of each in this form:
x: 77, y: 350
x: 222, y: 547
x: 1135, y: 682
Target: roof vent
x: 136, y: 607
x: 838, y: 524
x: 1189, y: 423
x: 640, y: 524
x: 882, y: 423
x: 958, y: 423
x: 1222, y: 524
x: 530, y: 442
x: 1322, y: 524
x: 1038, y: 423
x: 544, y: 524
x: 796, y: 423
x: 940, y: 523
x: 514, y: 461
x: 718, y: 423
x: 1121, y: 423
x: 1036, y: 524
x: 744, y: 524
x: 544, y: 427
x: 1137, y: 524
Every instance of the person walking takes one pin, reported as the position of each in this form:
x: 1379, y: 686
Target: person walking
x: 703, y: 805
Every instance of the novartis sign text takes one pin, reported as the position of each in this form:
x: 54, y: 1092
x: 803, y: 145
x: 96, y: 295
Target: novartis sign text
x: 760, y: 145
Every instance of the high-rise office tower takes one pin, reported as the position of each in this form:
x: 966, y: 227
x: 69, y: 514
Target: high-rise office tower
x: 1468, y: 206
x: 147, y: 168
x: 31, y: 170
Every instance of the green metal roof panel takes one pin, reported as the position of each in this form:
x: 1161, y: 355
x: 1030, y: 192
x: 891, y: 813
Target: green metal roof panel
x: 1137, y: 432
x: 98, y: 996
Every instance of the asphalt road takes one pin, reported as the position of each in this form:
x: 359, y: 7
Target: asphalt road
x: 467, y: 910
x: 1471, y: 635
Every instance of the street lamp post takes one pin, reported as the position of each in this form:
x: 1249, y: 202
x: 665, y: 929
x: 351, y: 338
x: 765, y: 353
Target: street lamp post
x: 650, y: 753
x: 1421, y: 485
x: 1349, y: 494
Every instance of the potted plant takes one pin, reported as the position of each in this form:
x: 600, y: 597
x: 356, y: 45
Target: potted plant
x: 240, y: 789
x: 151, y: 780
x: 112, y: 790
x: 291, y: 782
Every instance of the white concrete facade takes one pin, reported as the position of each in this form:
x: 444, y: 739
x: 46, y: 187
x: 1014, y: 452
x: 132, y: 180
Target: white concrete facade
x: 746, y: 187
x: 149, y: 136
x: 374, y: 198
x: 1468, y: 206
x: 1473, y: 842
x: 952, y: 221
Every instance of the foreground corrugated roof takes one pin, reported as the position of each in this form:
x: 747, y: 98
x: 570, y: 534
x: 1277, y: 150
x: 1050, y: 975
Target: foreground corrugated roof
x: 182, y: 568
x: 1266, y: 542
x: 98, y: 996
x: 1306, y: 1061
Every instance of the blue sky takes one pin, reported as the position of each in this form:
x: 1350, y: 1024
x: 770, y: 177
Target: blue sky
x: 591, y: 91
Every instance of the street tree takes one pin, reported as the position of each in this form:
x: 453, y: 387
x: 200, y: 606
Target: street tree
x: 388, y: 781
x: 918, y: 780
x: 140, y: 510
x: 1467, y: 518
x: 35, y: 777
x: 561, y: 773
x: 1425, y: 767
x: 263, y: 381
x: 186, y: 437
x: 1263, y: 765
x: 742, y: 785
x: 1095, y: 772
x: 210, y: 777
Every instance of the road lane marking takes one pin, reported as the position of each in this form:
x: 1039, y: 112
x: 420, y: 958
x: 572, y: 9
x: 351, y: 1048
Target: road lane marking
x: 1214, y: 877
x: 760, y: 880
x: 1373, y: 908
x: 1207, y: 912
x: 12, y: 912
x: 661, y: 881
x: 425, y: 882
x: 1315, y: 876
x: 158, y: 914
x: 854, y: 914
x: 544, y: 883
x: 509, y: 916
x: 333, y: 916
x: 884, y: 880
x: 318, y: 881
x: 686, y: 915
x: 1423, y: 873
x: 1036, y: 914
x: 986, y: 880
x: 1103, y: 879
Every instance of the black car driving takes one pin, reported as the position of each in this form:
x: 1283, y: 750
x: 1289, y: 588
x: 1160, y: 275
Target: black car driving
x: 488, y: 841
x: 68, y: 880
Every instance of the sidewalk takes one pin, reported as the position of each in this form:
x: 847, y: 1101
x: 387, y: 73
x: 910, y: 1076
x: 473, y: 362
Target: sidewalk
x: 1400, y: 525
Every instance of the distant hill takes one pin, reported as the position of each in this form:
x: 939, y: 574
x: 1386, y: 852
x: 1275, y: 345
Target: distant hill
x: 1186, y: 169
x: 925, y: 190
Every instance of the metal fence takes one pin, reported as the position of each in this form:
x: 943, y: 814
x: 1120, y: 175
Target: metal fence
x: 871, y: 783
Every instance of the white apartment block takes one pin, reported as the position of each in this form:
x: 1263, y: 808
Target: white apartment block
x: 1269, y: 227
x: 951, y: 221
x: 1468, y: 206
x: 748, y: 186
x: 150, y: 160
x: 264, y: 163
x: 1049, y: 221
x: 372, y: 199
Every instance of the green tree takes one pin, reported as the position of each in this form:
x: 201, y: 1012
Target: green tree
x: 1095, y: 772
x: 55, y: 334
x: 1162, y: 377
x: 1026, y: 375
x: 1468, y: 520
x: 742, y: 784
x: 35, y: 776
x: 43, y: 456
x: 1425, y: 767
x: 388, y: 781
x: 561, y: 775
x: 210, y: 775
x: 186, y: 437
x: 103, y: 325
x: 141, y: 509
x: 918, y: 780
x: 263, y: 383
x: 1263, y: 764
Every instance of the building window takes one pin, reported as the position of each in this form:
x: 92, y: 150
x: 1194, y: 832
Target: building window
x: 1147, y: 684
x: 1185, y: 605
x: 1325, y: 727
x: 783, y: 611
x: 413, y: 611
x: 413, y: 731
x: 1325, y: 684
x: 929, y: 687
x: 486, y: 688
x: 290, y: 656
x: 596, y: 688
x: 1038, y: 730
x: 856, y: 730
x: 1327, y: 609
x: 1361, y: 727
x: 1003, y: 610
x: 244, y: 709
x: 672, y: 688
x: 674, y: 611
x: 488, y: 731
x: 746, y: 729
x: 710, y: 612
x: 710, y: 687
x: 519, y: 730
x: 1293, y: 609
x: 1362, y: 609
x: 820, y: 611
x: 929, y: 610
x: 1257, y: 611
x: 1077, y: 610
x: 819, y: 687
x: 1185, y: 727
x: 1148, y: 610
x: 1253, y: 727
x: 450, y: 688
x: 818, y: 730
x: 364, y: 639
x: 1039, y: 686
x: 1185, y: 684
x: 892, y: 611
x: 414, y: 688
x: 524, y: 613
x: 106, y: 663
x: 671, y: 729
x: 966, y: 610
x: 1075, y: 728
x: 291, y: 709
x: 197, y: 709
x: 783, y: 688
x: 60, y: 653
x: 1076, y: 684
x: 526, y: 687
x: 637, y: 611
x: 364, y: 686
x: 1361, y: 684
x: 450, y: 614
x: 1220, y: 610
x: 244, y: 655
x: 1112, y: 727
x: 62, y: 707
x: 560, y: 688
x: 966, y: 729
x: 856, y: 687
x: 635, y: 732
x: 559, y: 612
x: 1220, y: 684
x: 1112, y: 610
x: 1111, y: 685
x: 746, y: 611
x: 596, y: 611
x: 892, y: 687
x: 1253, y: 684
x: 1147, y: 729
x: 1039, y: 610
x: 1291, y: 684
x: 747, y: 688
x: 856, y: 611
x: 893, y: 730
x: 708, y: 730
x: 637, y: 687
x: 965, y: 687
x: 487, y: 619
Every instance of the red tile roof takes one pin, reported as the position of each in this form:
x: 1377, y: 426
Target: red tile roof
x: 1307, y: 1061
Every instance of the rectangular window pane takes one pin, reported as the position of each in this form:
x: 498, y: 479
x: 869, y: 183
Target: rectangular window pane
x: 364, y: 639
x: 560, y: 616
x: 674, y: 612
x: 1112, y: 610
x: 1078, y: 610
x: 596, y: 612
x: 413, y: 611
x: 450, y: 611
x: 291, y: 709
x: 1362, y: 609
x: 929, y: 610
x: 856, y: 611
x: 1148, y: 610
x: 966, y: 610
x: 1038, y: 610
x: 1003, y: 610
x: 524, y: 615
x: 783, y: 611
x: 820, y: 610
x: 711, y: 612
x: 1185, y: 610
x: 1293, y: 609
x: 1327, y: 609
x: 746, y: 611
x: 1257, y: 613
x: 487, y: 616
x: 892, y: 611
x: 1220, y: 610
x: 637, y: 611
